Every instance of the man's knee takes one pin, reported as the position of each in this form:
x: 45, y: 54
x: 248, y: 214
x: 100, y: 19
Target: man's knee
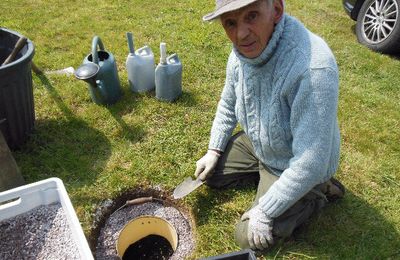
x: 217, y: 182
x: 234, y: 180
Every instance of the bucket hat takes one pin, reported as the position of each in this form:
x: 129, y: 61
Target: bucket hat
x: 224, y: 6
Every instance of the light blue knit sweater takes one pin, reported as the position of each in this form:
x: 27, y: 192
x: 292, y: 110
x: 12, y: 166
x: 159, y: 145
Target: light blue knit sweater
x: 286, y: 102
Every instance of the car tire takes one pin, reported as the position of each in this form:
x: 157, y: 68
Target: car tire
x: 378, y: 25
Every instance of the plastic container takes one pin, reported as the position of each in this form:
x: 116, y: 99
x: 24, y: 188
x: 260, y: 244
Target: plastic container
x: 25, y: 198
x: 168, y: 76
x: 140, y: 67
x: 17, y: 114
x: 245, y: 254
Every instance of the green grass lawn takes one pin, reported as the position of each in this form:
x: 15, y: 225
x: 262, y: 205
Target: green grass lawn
x: 100, y: 151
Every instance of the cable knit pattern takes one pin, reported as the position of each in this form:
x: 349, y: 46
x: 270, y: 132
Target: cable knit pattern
x: 286, y: 102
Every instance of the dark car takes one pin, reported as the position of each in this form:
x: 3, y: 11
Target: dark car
x: 378, y: 23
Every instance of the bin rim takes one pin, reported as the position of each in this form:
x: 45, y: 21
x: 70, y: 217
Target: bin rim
x: 27, y: 56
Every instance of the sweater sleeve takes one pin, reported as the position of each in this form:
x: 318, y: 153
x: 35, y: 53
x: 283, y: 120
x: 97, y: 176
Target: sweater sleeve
x: 225, y: 120
x: 313, y: 122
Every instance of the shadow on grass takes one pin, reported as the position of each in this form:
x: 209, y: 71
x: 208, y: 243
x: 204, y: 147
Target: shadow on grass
x: 186, y: 99
x: 65, y: 148
x: 132, y: 133
x: 353, y: 29
x: 348, y: 229
x: 207, y: 204
x: 128, y: 104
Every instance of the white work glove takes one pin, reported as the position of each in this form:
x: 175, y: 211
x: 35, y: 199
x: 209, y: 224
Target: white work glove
x: 259, y: 232
x: 206, y: 165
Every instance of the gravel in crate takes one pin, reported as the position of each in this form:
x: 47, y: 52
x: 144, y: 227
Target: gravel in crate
x: 41, y: 233
x: 106, y: 243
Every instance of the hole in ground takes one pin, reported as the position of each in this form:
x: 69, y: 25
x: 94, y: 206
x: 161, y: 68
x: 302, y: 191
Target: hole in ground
x: 114, y: 214
x: 149, y: 247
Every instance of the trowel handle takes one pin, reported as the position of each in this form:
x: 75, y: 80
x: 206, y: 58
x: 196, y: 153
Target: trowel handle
x: 18, y: 46
x: 130, y: 43
x: 96, y: 41
x: 139, y: 201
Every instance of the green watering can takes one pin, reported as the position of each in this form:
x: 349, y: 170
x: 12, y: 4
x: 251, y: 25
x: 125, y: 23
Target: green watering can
x: 99, y: 70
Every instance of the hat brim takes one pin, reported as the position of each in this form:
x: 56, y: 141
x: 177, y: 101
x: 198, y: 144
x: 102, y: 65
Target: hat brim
x: 235, y: 5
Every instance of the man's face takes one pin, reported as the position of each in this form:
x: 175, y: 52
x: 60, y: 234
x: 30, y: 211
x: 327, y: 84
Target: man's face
x: 251, y: 27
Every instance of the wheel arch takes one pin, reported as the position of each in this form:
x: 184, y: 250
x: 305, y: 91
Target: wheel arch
x: 356, y: 9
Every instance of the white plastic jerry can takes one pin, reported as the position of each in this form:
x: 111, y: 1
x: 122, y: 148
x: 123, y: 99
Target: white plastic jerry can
x: 140, y: 67
x: 168, y: 76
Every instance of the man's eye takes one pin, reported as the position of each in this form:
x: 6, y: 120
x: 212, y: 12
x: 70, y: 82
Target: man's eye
x: 252, y: 16
x: 230, y: 23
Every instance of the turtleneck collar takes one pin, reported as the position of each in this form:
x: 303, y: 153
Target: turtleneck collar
x: 269, y: 50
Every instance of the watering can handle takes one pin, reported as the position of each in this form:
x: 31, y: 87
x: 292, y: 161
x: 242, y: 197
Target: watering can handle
x: 96, y: 41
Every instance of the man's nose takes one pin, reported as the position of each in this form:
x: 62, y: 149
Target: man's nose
x: 243, y: 31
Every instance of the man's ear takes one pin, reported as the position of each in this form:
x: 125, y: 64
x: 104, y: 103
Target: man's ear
x: 278, y: 10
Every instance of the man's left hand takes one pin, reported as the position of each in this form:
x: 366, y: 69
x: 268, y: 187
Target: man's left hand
x: 259, y: 231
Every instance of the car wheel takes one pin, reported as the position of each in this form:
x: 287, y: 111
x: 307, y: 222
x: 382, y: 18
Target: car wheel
x: 378, y: 25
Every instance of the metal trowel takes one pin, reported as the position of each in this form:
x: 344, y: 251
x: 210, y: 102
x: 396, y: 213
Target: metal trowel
x: 186, y: 187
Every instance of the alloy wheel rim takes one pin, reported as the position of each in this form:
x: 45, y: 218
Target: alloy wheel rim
x: 380, y: 20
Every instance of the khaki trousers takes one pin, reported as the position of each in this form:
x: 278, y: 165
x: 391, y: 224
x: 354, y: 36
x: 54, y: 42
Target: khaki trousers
x: 239, y: 166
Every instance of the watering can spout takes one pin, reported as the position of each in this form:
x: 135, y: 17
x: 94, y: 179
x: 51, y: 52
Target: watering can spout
x: 130, y: 43
x: 88, y: 72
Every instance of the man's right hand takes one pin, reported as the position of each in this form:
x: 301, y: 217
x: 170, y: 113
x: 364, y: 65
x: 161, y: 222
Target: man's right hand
x: 205, y: 166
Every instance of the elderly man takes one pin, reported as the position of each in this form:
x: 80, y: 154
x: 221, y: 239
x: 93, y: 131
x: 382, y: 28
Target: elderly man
x: 282, y: 88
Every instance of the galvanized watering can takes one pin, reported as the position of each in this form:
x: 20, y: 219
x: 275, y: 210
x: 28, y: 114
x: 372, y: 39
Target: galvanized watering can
x: 99, y: 70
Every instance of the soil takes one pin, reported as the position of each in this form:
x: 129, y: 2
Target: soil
x: 151, y: 247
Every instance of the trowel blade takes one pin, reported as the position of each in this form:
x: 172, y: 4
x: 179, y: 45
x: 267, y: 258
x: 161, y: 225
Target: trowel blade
x: 186, y: 187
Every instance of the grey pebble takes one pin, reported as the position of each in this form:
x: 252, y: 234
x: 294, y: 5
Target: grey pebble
x: 41, y: 233
x: 106, y: 246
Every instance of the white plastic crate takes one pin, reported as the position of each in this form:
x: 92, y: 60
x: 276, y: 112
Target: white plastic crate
x: 25, y: 198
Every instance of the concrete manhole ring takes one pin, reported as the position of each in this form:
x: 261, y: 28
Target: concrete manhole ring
x: 113, y: 215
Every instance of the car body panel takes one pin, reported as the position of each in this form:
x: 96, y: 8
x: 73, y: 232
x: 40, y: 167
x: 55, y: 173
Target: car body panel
x: 352, y: 7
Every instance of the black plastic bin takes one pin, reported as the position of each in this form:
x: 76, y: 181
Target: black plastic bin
x: 17, y: 114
